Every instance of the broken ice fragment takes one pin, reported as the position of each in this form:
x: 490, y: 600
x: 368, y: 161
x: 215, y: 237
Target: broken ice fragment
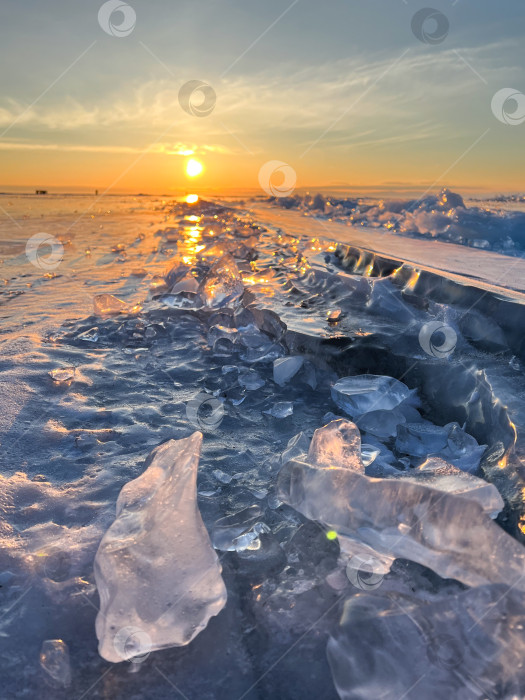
x: 284, y: 368
x: 368, y: 392
x: 337, y: 444
x: 222, y: 284
x: 382, y: 424
x: 251, y: 380
x: 187, y: 284
x: 445, y: 529
x: 420, y: 439
x: 462, y: 449
x: 89, y: 336
x: 155, y: 568
x: 54, y: 659
x: 298, y: 445
x: 217, y: 332
x: 465, y: 646
x: 62, y: 374
x: 440, y: 475
x: 227, y: 530
x: 221, y: 476
x: 281, y: 409
x: 368, y: 454
x: 109, y: 305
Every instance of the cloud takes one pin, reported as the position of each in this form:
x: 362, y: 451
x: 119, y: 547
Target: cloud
x: 369, y: 104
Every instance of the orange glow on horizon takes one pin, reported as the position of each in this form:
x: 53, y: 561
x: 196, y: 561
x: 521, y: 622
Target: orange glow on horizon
x: 192, y: 198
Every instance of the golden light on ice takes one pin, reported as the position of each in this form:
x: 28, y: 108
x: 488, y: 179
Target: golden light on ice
x: 192, y: 198
x: 194, y: 167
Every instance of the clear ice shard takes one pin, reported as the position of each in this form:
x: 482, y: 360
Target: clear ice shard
x: 223, y: 283
x: 281, y: 409
x: 469, y: 646
x: 369, y: 392
x: 338, y: 444
x: 284, y: 368
x: 420, y: 439
x: 438, y: 474
x: 297, y: 445
x: 109, y: 305
x: 155, y: 568
x: 438, y: 520
x: 237, y: 531
x: 54, y: 659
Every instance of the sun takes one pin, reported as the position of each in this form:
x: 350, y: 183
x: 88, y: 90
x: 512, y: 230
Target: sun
x: 194, y: 167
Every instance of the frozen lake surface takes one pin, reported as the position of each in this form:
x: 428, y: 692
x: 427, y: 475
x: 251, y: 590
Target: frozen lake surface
x: 381, y: 556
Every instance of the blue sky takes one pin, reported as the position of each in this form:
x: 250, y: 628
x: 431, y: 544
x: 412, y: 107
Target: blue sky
x: 394, y: 109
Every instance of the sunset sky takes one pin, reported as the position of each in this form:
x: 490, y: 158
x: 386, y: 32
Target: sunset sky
x: 342, y: 91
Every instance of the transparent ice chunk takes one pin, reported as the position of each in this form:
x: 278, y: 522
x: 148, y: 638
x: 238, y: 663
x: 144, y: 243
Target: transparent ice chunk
x: 281, y: 409
x: 54, y: 659
x: 228, y: 530
x: 369, y: 392
x: 467, y: 646
x: 298, y: 445
x: 445, y: 529
x: 222, y: 284
x: 155, y: 569
x: 420, y: 439
x: 109, y: 305
x: 337, y: 444
x: 284, y: 368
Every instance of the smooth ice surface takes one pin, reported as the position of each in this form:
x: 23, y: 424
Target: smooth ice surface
x: 368, y: 392
x: 222, y: 284
x: 284, y: 368
x: 445, y: 529
x: 155, y: 568
x: 467, y: 646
